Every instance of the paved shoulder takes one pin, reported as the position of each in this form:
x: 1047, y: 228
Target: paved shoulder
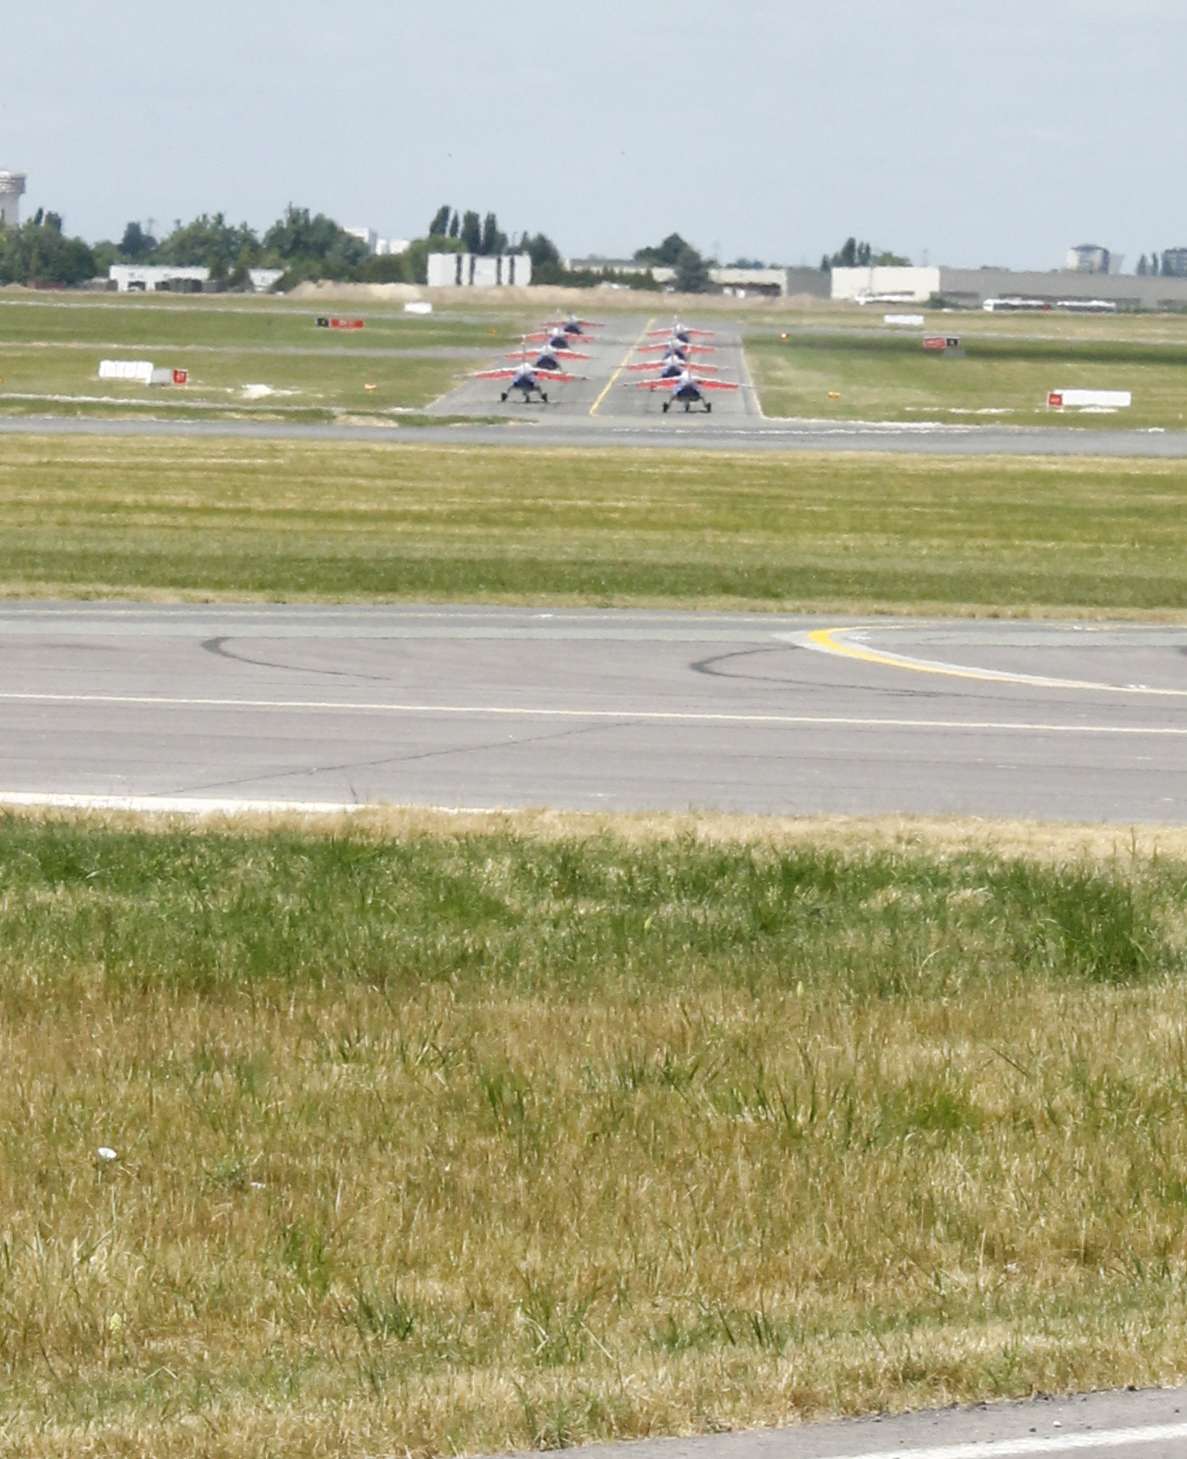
x: 1143, y: 1425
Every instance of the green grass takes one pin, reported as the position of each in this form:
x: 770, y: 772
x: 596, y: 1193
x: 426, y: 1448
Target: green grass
x: 175, y: 519
x: 463, y: 1137
x: 51, y: 351
x: 1003, y: 376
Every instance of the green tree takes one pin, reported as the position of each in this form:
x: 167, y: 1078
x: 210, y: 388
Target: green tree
x: 692, y: 273
x: 541, y: 250
x: 136, y: 244
x: 210, y: 242
x: 39, y: 252
x: 666, y: 253
x: 455, y: 227
x: 492, y: 241
x: 440, y: 223
x: 471, y: 234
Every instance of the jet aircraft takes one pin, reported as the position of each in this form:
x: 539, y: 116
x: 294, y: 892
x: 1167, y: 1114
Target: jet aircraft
x: 573, y: 325
x: 555, y: 339
x: 546, y: 359
x: 688, y: 388
x: 672, y: 365
x: 525, y: 378
x: 683, y: 332
x: 678, y: 347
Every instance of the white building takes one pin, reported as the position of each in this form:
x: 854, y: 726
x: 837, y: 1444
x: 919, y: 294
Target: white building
x: 376, y: 245
x: 150, y: 278
x: 479, y: 271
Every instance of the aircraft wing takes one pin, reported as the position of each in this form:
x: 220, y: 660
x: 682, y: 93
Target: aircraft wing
x: 717, y: 384
x: 689, y: 349
x: 507, y: 373
x: 557, y: 375
x: 659, y: 364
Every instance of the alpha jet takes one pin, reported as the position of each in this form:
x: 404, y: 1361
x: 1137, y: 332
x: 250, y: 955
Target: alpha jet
x: 547, y: 359
x: 554, y: 339
x: 687, y: 387
x: 679, y: 348
x: 573, y: 325
x: 526, y: 379
x: 670, y: 366
x: 683, y: 332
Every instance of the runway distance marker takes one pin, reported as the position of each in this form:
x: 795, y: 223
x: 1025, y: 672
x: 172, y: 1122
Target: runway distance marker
x: 836, y: 641
x: 650, y: 716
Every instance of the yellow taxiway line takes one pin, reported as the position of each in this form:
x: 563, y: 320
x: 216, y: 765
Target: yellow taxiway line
x: 836, y: 641
x: 625, y: 361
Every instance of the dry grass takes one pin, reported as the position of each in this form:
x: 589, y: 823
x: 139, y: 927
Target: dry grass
x: 441, y: 1134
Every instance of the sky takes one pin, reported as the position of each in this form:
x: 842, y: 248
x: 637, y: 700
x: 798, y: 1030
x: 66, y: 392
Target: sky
x: 984, y: 133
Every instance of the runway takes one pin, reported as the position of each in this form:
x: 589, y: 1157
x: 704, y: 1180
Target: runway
x: 485, y: 708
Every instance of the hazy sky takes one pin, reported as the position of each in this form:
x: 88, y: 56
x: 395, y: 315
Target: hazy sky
x: 976, y: 133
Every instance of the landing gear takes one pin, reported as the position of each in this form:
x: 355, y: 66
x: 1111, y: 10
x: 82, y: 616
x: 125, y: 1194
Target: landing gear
x: 503, y: 397
x: 708, y: 407
x: 543, y: 398
x: 666, y: 406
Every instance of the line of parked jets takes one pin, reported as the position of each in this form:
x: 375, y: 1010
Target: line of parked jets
x: 545, y: 349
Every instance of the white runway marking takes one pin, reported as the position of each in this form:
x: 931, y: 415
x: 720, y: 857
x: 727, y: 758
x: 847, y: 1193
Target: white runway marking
x: 183, y: 805
x: 652, y: 716
x: 1054, y: 1444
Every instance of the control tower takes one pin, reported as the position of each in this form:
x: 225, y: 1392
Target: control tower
x: 12, y: 186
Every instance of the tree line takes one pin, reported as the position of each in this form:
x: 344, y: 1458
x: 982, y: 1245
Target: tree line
x: 1170, y: 263
x: 307, y: 245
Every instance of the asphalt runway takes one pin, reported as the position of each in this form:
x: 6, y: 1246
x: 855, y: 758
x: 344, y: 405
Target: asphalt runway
x: 485, y: 707
x: 719, y: 432
x: 610, y: 394
x: 1122, y: 1425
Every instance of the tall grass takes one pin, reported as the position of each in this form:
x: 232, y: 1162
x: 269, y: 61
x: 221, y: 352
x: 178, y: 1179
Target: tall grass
x: 478, y: 1139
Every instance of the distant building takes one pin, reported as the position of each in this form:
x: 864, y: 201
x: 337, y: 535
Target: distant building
x: 168, y: 278
x: 375, y: 244
x: 1174, y: 262
x: 262, y: 279
x: 740, y: 282
x: 1088, y: 258
x: 970, y: 288
x: 479, y: 271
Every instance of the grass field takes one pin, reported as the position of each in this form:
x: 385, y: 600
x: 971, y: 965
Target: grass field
x: 849, y: 373
x: 456, y: 1136
x: 50, y: 352
x: 163, y: 519
x: 50, y: 347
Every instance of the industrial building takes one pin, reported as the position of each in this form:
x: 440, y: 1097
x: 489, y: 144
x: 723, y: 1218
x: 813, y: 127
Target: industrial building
x: 12, y: 187
x: 152, y: 278
x: 740, y: 282
x: 971, y: 288
x: 479, y: 271
x: 1091, y: 258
